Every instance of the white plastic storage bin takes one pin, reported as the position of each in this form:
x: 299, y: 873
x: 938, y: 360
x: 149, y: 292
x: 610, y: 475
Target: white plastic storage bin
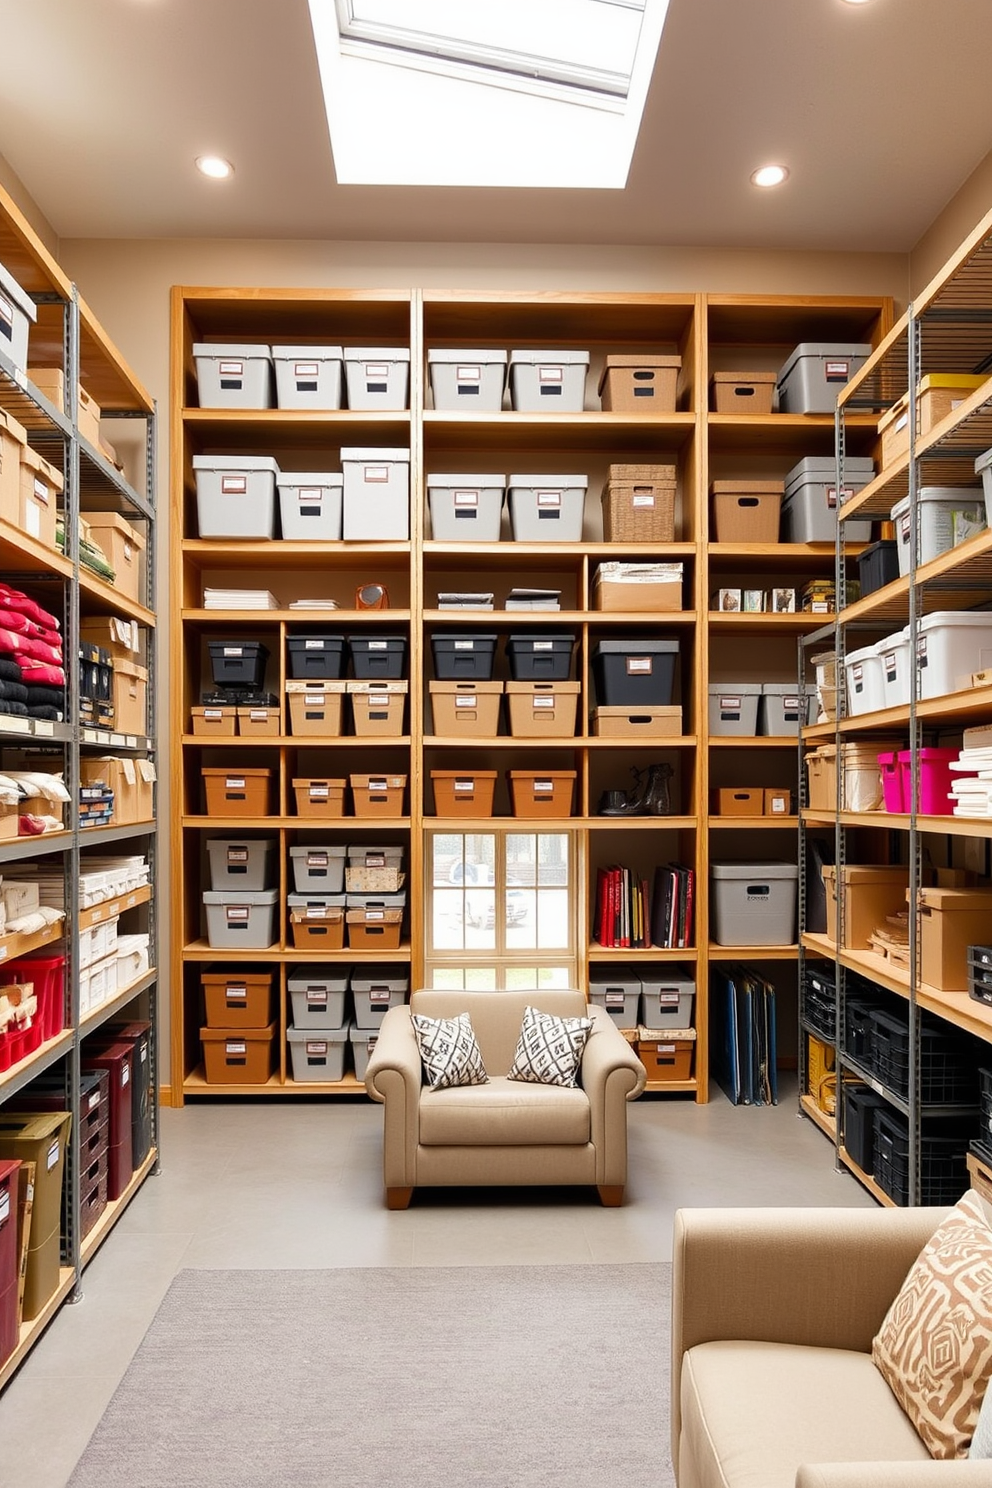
x: 240, y: 919
x: 377, y: 376
x: 233, y: 376
x: 363, y: 1041
x: 241, y: 862
x: 547, y: 508
x: 466, y: 508
x: 952, y: 644
x: 983, y: 467
x: 733, y: 707
x: 754, y: 904
x: 618, y: 992
x: 937, y: 507
x: 310, y: 505
x: 318, y: 869
x: 317, y: 1054
x: 816, y: 372
x: 307, y: 376
x: 376, y: 495
x: 548, y: 381
x: 235, y: 496
x: 667, y: 998
x: 897, y: 677
x: 809, y: 508
x: 784, y: 708
x: 467, y: 381
x: 317, y: 994
x: 375, y: 990
x: 865, y: 687
x: 17, y: 315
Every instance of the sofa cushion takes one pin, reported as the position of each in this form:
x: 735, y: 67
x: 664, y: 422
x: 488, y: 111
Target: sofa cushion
x: 752, y: 1413
x: 504, y: 1113
x: 448, y: 1051
x: 934, y: 1347
x: 549, y: 1049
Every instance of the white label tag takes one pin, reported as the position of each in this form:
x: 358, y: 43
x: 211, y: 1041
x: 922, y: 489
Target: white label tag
x: 376, y: 474
x: 378, y: 645
x: 54, y: 1149
x: 464, y: 645
x: 378, y: 785
x: 235, y: 1046
x: 465, y: 700
x: 468, y: 374
x: 234, y: 782
x: 312, y: 495
x: 316, y: 997
x: 543, y: 787
x: 900, y: 423
x: 258, y: 715
x: 466, y: 498
x: 376, y: 371
x: 549, y: 498
x: 375, y: 860
x: 543, y: 645
x: 236, y: 913
x: 319, y: 792
x: 550, y: 374
x: 41, y: 492
x: 543, y: 702
x: 316, y: 1048
x: 315, y: 912
x: 215, y: 715
x: 374, y: 914
x: 379, y: 996
x: 231, y: 369
x: 32, y: 520
x: 237, y: 855
x: 306, y: 369
x: 643, y: 501
x: 837, y: 371
x: 779, y: 805
x: 730, y: 702
x: 642, y: 665
x: 313, y: 645
x: 235, y: 992
x: 317, y: 859
x: 233, y: 485
x: 465, y: 785
x: 234, y: 650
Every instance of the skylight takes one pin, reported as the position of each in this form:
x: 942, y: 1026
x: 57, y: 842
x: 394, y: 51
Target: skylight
x: 485, y: 92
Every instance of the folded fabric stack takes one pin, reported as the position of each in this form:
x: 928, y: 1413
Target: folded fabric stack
x: 972, y: 795
x: 21, y: 910
x: 32, y: 675
x: 46, y: 794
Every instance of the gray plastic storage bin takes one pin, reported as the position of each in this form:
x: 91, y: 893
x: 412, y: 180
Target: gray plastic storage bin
x: 235, y: 496
x: 317, y: 1053
x: 548, y: 381
x: 376, y: 495
x: 310, y: 505
x: 17, y: 315
x: 547, y: 508
x: 317, y: 994
x: 816, y: 372
x: 361, y: 856
x: 233, y: 376
x: 467, y: 381
x: 377, y: 376
x: 619, y: 992
x: 363, y: 1041
x: 240, y: 919
x: 307, y: 376
x: 375, y: 990
x: 241, y: 862
x: 754, y: 904
x: 784, y: 708
x: 809, y: 509
x: 318, y: 869
x: 466, y: 508
x: 733, y: 708
x: 667, y: 997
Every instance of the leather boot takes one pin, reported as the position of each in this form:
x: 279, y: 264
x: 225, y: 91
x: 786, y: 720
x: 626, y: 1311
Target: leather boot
x: 626, y: 803
x: 658, y: 800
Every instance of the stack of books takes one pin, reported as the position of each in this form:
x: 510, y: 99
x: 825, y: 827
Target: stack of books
x: 632, y: 914
x: 239, y: 599
x: 452, y: 600
x: 972, y: 794
x: 534, y: 599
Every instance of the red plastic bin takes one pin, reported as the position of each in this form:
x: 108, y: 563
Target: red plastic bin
x: 936, y: 779
x: 47, y: 973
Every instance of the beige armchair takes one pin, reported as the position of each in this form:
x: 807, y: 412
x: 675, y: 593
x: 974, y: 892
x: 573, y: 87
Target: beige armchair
x: 506, y: 1132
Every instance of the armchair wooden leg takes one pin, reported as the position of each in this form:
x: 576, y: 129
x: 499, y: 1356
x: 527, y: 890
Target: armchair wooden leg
x: 399, y: 1198
x: 610, y: 1195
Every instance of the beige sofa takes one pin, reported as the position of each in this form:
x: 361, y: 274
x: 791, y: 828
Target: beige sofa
x: 773, y: 1386
x: 505, y: 1132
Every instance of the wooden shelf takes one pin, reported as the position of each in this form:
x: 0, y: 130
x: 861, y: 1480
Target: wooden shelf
x: 293, y: 428
x: 972, y: 705
x: 651, y: 953
x: 744, y: 622
x: 671, y: 1087
x: 12, y: 946
x: 808, y: 557
x: 297, y: 823
x: 753, y: 953
x: 114, y: 1210
x: 866, y: 1180
x: 784, y: 433
x: 196, y: 1084
x: 542, y: 618
x: 299, y: 741
x: 748, y: 741
x: 512, y: 432
x: 260, y: 618
x: 201, y: 950
x: 890, y: 821
x: 118, y: 905
x: 96, y: 594
x: 827, y: 1124
x: 200, y: 553
x: 32, y: 1331
x: 749, y: 823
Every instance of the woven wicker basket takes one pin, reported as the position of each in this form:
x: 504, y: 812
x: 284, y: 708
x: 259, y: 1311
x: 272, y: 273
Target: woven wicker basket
x: 641, y: 512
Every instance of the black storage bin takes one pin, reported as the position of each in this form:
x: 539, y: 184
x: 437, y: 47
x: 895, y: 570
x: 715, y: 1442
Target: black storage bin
x: 817, y: 854
x: 943, y: 1157
x: 238, y: 663
x: 819, y: 997
x: 635, y: 673
x: 980, y: 973
x: 378, y: 657
x: 878, y: 565
x: 319, y: 656
x: 860, y: 1105
x: 947, y: 1070
x: 858, y: 1009
x: 540, y: 658
x: 461, y: 656
x: 95, y: 673
x: 239, y: 697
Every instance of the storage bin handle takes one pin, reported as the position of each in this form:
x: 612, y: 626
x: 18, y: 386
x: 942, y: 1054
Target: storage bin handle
x: 743, y: 391
x: 747, y: 501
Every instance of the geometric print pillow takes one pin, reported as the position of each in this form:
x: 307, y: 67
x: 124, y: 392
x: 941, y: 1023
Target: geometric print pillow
x: 549, y: 1049
x: 450, y: 1053
x: 934, y: 1347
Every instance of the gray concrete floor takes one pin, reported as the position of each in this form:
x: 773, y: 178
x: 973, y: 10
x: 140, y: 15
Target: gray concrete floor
x: 297, y: 1184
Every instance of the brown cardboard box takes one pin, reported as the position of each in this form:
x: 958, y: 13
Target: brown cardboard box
x: 742, y: 392
x: 463, y: 793
x: 666, y: 1060
x: 231, y: 790
x: 374, y: 929
x: 638, y: 588
x: 950, y: 921
x: 121, y: 776
x: 543, y: 710
x: 871, y: 894
x: 638, y: 723
x: 466, y: 709
x: 50, y: 382
x: 937, y: 395
x: 821, y: 773
x: 318, y: 929
x: 237, y: 1000
x: 215, y: 722
x: 778, y: 802
x: 378, y: 708
x: 319, y: 797
x: 640, y: 384
x: 41, y: 485
x: 378, y: 795
x: 144, y: 799
x: 743, y: 802
x: 130, y: 682
x: 316, y: 708
x: 747, y: 511
x: 262, y: 722
x: 13, y: 439
x: 120, y: 637
x: 124, y: 547
x: 88, y: 417
x: 238, y: 1056
x: 537, y: 793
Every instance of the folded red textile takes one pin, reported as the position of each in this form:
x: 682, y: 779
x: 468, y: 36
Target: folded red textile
x: 14, y: 599
x: 36, y: 672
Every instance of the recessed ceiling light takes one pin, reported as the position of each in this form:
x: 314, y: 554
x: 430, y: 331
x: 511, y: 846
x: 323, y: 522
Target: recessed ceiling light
x: 856, y: 2
x: 214, y: 166
x: 769, y: 175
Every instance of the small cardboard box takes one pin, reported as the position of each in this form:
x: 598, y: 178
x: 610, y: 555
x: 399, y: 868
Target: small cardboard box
x: 378, y: 708
x: 542, y: 710
x: 316, y: 708
x: 778, y: 802
x: 13, y: 440
x: 537, y: 793
x: 216, y: 723
x: 319, y: 797
x: 666, y: 1060
x: 124, y: 547
x: 743, y: 802
x: 750, y: 393
x: 40, y: 487
x: 951, y: 920
x: 88, y: 416
x: 639, y: 384
x: 259, y: 722
x: 50, y: 382
x: 747, y: 511
x: 466, y: 709
x: 317, y: 928
x: 635, y: 723
x: 130, y: 683
x: 237, y: 1000
x: 871, y: 893
x: 241, y: 1056
x: 378, y: 795
x: 233, y: 791
x: 465, y: 793
x: 121, y: 776
x: 638, y: 588
x: 120, y: 638
x: 374, y: 929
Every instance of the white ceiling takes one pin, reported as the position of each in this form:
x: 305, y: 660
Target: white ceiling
x: 881, y: 110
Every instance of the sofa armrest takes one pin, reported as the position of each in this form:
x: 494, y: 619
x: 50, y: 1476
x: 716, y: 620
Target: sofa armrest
x: 612, y: 1075
x: 820, y: 1277
x: 895, y: 1475
x: 394, y: 1077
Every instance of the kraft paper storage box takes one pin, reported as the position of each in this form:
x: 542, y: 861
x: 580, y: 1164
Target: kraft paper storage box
x: 667, y: 997
x: 50, y: 382
x: 747, y: 511
x: 465, y: 793
x: 547, y: 508
x: 638, y: 587
x: 317, y: 1055
x: 17, y: 316
x: 240, y: 919
x: 317, y: 996
x: 537, y: 793
x: 87, y: 416
x: 234, y: 791
x: 639, y: 505
x: 376, y: 494
x: 471, y: 381
x: 938, y: 395
x: 378, y: 795
x: 319, y: 798
x: 374, y: 929
x: 235, y: 496
x: 13, y: 440
x: 951, y: 920
x: 377, y: 377
x: 667, y: 1060
x: 238, y: 999
x: 816, y: 372
x: 952, y: 644
x: 742, y: 392
x: 548, y: 381
x: 316, y: 707
x: 618, y: 992
x: 466, y: 508
x: 259, y: 723
x: 243, y: 1056
x: 120, y: 638
x: 363, y: 1042
x: 733, y: 708
x: 121, y: 775
x: 233, y: 375
x: 634, y: 723
x: 308, y: 376
x: 41, y: 486
x: 317, y: 929
x: 639, y: 384
x: 466, y: 709
x: 777, y: 802
x: 378, y: 709
x: 754, y: 903
x: 936, y: 507
x: 242, y: 862
x: 543, y: 710
x: 810, y: 505
x: 144, y: 796
x: 871, y: 893
x: 130, y: 681
x: 318, y: 869
x: 743, y: 802
x: 311, y: 505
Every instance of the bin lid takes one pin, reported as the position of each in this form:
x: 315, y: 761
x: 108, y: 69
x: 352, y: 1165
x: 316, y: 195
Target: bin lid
x: 328, y: 849
x: 472, y: 482
x: 449, y: 637
x: 238, y: 1035
x: 358, y: 857
x: 253, y: 898
x: 315, y: 901
x: 545, y: 482
x: 955, y: 496
x: 245, y: 350
x: 302, y: 642
x: 263, y: 844
x: 372, y: 642
x: 948, y: 900
x: 358, y: 455
x: 236, y: 462
x: 957, y: 619
x: 486, y: 356
x: 566, y: 358
x: 307, y: 353
x: 316, y: 687
x: 623, y: 978
x: 722, y: 689
x: 317, y: 979
x: 379, y: 689
x: 825, y: 351
x: 637, y: 646
x: 377, y: 353
x: 469, y: 775
x: 379, y: 976
x: 867, y: 873
x: 466, y: 688
x: 662, y: 981
x: 824, y: 467
x: 750, y: 871
x: 527, y: 641
x: 21, y: 298
x: 787, y: 689
x: 289, y: 479
x: 318, y: 1035
x: 747, y: 488
x: 866, y: 653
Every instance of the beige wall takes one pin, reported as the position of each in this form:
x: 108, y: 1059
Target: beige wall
x: 12, y: 183
x: 963, y: 212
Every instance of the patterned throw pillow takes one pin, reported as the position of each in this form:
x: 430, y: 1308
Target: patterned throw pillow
x: 935, y: 1346
x: 549, y: 1049
x: 449, y: 1051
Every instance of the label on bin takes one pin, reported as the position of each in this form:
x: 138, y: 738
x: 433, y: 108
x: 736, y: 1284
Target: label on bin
x: 845, y: 495
x: 467, y: 499
x: 668, y: 997
x: 237, y: 855
x: 891, y: 669
x: 376, y: 474
x: 237, y: 913
x: 6, y: 311
x: 378, y: 785
x: 549, y: 498
x: 316, y: 997
x: 234, y: 485
x: 231, y: 369
x: 5, y: 1204
x: 666, y: 1049
x: 236, y: 992
x: 313, y: 645
x: 465, y: 785
x: 639, y: 665
x: 375, y: 860
x: 376, y: 371
x: 375, y: 914
x: 312, y: 495
x: 464, y: 645
x: 543, y: 645
x: 614, y: 999
x: 319, y: 792
x: 235, y: 1046
x: 234, y: 651
x: 317, y: 1048
x: 94, y: 1100
x: 837, y: 371
x: 214, y: 714
x: 730, y: 702
x: 466, y: 700
x: 779, y: 806
x: 377, y: 645
x: 306, y: 369
x: 258, y: 715
x: 234, y: 782
x: 315, y: 911
x: 543, y: 702
x: 543, y: 787
x: 468, y: 374
x: 550, y: 374
x: 41, y: 492
x: 378, y: 995
x: 54, y: 1149
x: 921, y: 651
x: 317, y: 859
x: 642, y: 500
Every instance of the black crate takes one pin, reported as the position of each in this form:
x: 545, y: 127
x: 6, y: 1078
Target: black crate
x: 818, y: 1001
x: 878, y: 565
x: 635, y: 673
x: 238, y: 663
x: 943, y: 1157
x: 860, y: 1105
x: 463, y: 655
x: 980, y: 973
x: 857, y: 1026
x: 378, y: 657
x: 543, y: 657
x: 985, y: 1099
x: 319, y: 656
x: 947, y: 1069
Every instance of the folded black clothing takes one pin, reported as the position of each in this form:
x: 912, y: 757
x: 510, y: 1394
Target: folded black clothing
x: 9, y: 669
x: 13, y: 692
x: 43, y: 710
x: 48, y: 697
x: 19, y: 710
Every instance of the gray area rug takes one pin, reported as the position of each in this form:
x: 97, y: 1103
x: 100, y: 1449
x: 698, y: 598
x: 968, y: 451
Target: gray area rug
x: 490, y: 1376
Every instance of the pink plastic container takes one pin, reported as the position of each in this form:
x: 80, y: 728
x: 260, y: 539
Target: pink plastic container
x: 891, y: 773
x: 935, y: 780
